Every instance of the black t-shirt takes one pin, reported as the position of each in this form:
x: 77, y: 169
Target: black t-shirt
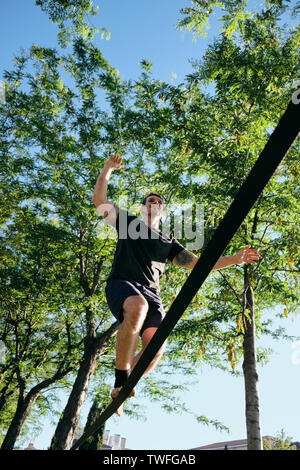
x: 141, y: 251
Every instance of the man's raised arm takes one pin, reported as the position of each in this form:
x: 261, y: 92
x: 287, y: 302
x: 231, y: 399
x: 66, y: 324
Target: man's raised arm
x: 99, y: 198
x: 187, y: 259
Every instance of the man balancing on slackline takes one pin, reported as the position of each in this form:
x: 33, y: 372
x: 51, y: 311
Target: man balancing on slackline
x: 132, y: 289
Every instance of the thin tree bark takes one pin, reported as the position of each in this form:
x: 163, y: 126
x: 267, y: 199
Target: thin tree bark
x: 22, y: 411
x: 24, y: 406
x: 5, y: 395
x: 68, y: 423
x: 254, y: 438
x: 94, y: 442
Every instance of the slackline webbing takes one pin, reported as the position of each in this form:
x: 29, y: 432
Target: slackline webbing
x: 276, y: 148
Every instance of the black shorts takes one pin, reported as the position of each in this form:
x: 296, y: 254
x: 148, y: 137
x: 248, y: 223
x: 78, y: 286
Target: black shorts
x: 117, y: 291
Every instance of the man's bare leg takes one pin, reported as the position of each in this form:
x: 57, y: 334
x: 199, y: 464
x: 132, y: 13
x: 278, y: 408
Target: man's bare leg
x: 134, y: 312
x: 146, y: 338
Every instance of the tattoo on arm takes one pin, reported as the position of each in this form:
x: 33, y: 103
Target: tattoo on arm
x: 184, y: 258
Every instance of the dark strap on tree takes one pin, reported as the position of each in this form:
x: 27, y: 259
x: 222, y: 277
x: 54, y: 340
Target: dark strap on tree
x: 276, y: 148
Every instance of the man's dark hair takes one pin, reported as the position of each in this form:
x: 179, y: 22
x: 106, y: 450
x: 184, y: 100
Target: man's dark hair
x: 151, y: 194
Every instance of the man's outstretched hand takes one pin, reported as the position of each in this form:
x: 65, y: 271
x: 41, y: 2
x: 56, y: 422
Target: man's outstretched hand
x: 115, y: 162
x: 247, y: 255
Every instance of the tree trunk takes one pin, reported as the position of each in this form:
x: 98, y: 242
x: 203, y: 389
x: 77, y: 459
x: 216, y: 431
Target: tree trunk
x: 68, y: 423
x: 23, y: 408
x: 254, y: 438
x: 25, y: 404
x: 5, y: 396
x: 95, y: 441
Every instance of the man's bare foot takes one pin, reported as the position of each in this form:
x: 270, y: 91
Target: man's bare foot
x: 115, y: 392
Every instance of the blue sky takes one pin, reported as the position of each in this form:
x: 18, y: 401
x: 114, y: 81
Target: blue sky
x: 139, y: 30
x: 146, y: 30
